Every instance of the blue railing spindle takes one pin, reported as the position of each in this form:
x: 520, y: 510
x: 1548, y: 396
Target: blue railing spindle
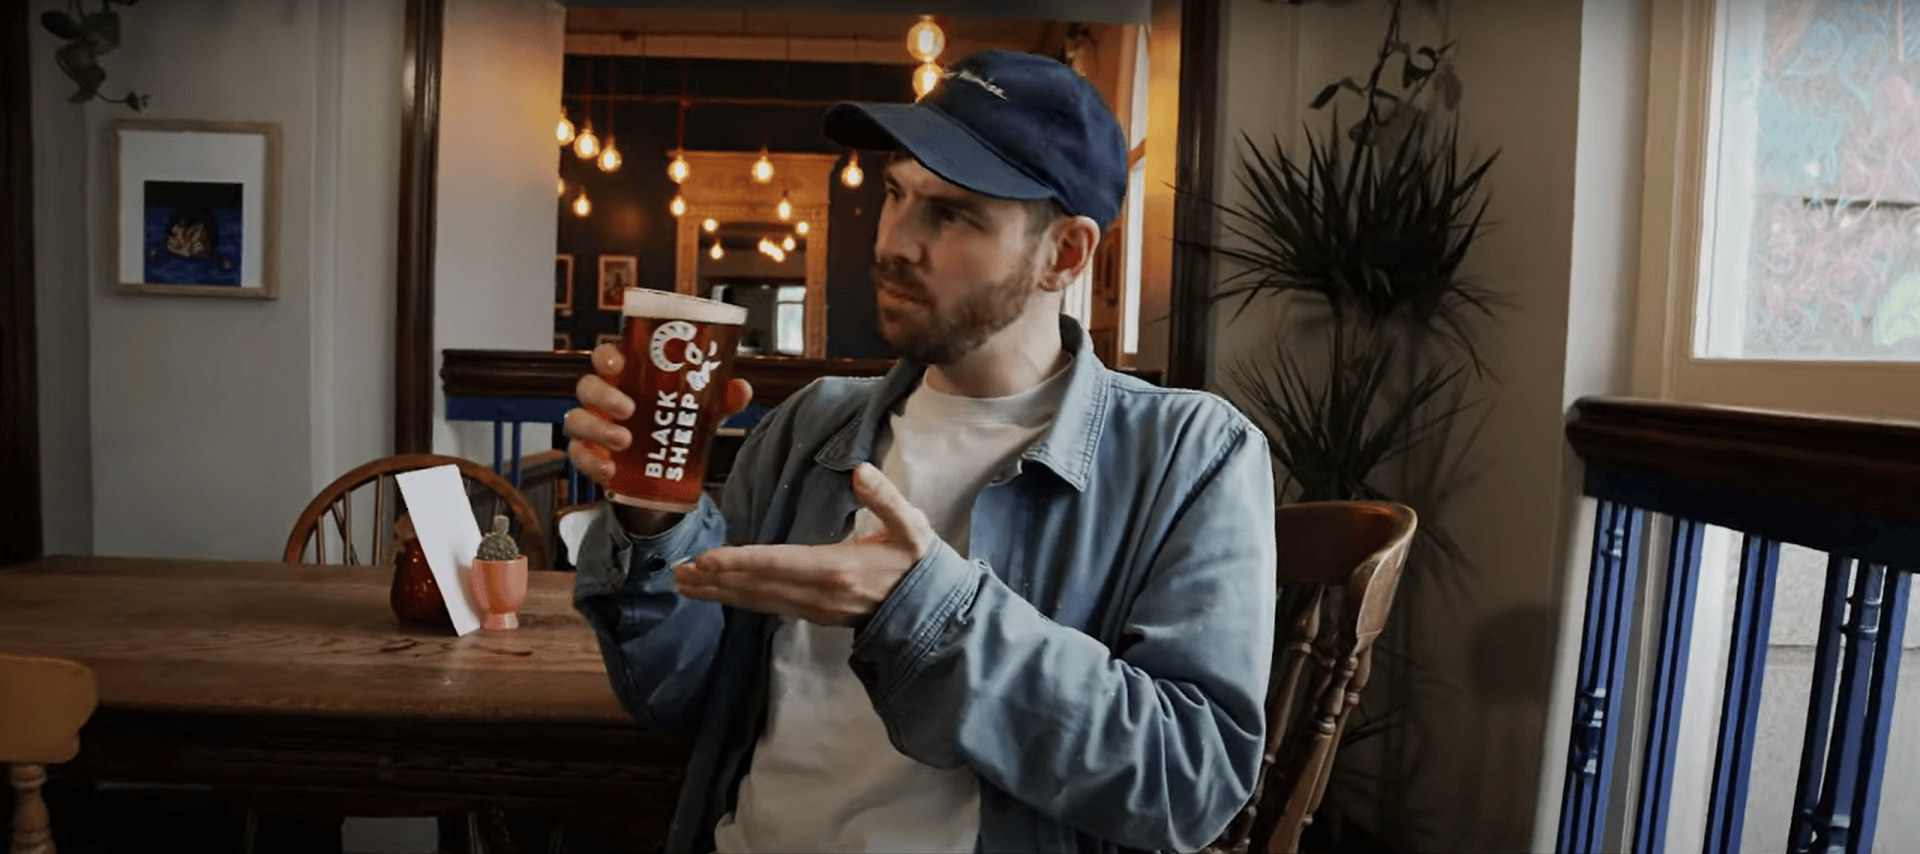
x: 1886, y: 680
x: 1669, y: 686
x: 1813, y: 752
x: 1834, y: 823
x: 1609, y: 616
x: 1740, y: 710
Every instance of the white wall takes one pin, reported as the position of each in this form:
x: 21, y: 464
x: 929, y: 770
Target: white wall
x: 208, y: 423
x: 493, y: 277
x: 1564, y: 200
x: 60, y: 142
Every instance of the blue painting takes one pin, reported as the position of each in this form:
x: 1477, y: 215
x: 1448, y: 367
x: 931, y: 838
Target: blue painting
x: 193, y: 233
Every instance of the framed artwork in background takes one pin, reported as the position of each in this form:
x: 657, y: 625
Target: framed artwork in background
x: 617, y: 274
x: 196, y: 208
x: 563, y: 283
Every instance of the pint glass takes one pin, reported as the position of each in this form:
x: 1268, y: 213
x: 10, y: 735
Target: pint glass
x: 679, y: 353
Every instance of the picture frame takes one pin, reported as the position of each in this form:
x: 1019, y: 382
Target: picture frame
x: 562, y: 341
x: 617, y: 274
x: 195, y: 207
x: 563, y: 283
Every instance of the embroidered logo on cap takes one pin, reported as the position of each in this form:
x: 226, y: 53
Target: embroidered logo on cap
x: 982, y: 82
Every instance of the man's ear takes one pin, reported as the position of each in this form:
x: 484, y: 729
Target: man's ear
x: 1073, y: 240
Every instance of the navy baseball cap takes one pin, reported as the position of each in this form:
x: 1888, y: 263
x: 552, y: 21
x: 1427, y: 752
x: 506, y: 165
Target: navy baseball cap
x: 1004, y: 124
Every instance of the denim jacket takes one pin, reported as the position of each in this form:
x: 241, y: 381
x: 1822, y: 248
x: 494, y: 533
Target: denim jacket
x: 1100, y: 659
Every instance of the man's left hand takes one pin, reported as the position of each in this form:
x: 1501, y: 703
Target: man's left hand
x: 832, y: 585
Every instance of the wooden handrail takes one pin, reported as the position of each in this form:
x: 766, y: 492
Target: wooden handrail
x: 1868, y: 467
x: 534, y: 373
x: 551, y: 374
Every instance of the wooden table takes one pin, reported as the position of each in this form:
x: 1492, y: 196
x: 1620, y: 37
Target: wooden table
x: 267, y: 676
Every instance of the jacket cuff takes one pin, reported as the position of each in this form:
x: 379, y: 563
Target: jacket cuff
x: 609, y: 553
x: 930, y: 600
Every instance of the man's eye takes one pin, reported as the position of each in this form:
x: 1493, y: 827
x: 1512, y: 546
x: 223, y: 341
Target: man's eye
x: 945, y: 213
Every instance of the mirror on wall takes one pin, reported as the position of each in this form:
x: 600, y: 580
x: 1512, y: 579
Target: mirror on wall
x: 762, y: 266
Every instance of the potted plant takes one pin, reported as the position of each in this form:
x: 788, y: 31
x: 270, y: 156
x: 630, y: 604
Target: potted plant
x: 1363, y: 390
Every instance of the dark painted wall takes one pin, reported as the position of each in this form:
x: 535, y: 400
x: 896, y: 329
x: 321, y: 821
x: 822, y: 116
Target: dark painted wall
x: 630, y: 215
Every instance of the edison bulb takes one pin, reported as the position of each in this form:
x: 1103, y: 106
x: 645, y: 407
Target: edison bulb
x: 763, y: 169
x: 925, y: 40
x: 787, y: 244
x: 779, y: 256
x: 582, y: 207
x: 679, y: 205
x: 564, y: 130
x: 710, y: 227
x: 852, y: 176
x: 586, y: 145
x: 678, y: 170
x: 562, y: 184
x: 925, y: 78
x: 716, y: 253
x: 785, y: 209
x: 800, y: 228
x: 610, y: 157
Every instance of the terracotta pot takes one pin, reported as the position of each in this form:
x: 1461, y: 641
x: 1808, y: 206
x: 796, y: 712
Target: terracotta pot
x: 499, y: 586
x: 415, y: 596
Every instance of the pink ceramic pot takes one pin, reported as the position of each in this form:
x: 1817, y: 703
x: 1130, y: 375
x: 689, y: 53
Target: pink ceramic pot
x: 499, y: 586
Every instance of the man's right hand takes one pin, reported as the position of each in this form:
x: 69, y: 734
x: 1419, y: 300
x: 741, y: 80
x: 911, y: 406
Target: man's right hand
x: 594, y: 431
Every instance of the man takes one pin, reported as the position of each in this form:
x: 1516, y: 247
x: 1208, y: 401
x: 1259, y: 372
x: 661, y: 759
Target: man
x: 1002, y: 599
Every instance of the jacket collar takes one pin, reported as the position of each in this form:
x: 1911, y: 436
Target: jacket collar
x: 1066, y: 449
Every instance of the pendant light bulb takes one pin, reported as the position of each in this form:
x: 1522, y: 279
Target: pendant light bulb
x: 925, y: 78
x: 586, y: 145
x: 852, y: 176
x: 787, y: 244
x: 716, y: 253
x: 679, y: 205
x: 800, y: 228
x: 582, y: 207
x: 678, y: 170
x: 563, y: 132
x: 710, y: 226
x: 925, y: 40
x: 763, y: 168
x: 562, y: 184
x: 610, y: 157
x: 785, y: 209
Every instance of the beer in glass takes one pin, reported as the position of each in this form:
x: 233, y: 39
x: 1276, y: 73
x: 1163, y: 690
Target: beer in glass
x: 679, y: 353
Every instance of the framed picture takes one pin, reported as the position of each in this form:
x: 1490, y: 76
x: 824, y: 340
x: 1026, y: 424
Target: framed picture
x: 606, y: 338
x: 617, y: 274
x: 563, y: 283
x: 196, y: 207
x: 561, y: 341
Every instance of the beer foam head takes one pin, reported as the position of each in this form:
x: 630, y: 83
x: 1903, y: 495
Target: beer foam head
x: 649, y: 302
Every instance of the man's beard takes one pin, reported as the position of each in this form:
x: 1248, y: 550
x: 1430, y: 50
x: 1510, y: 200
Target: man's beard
x: 932, y: 338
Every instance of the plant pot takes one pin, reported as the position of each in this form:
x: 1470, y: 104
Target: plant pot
x: 415, y: 596
x: 499, y: 586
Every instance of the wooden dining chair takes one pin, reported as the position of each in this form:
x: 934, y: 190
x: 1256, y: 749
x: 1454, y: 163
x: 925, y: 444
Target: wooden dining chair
x: 43, y: 704
x: 365, y: 534
x: 1342, y: 560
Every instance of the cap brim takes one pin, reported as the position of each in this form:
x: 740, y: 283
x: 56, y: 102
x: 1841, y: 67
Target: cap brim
x: 941, y: 144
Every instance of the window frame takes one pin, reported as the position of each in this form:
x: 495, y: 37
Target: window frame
x: 1684, y: 69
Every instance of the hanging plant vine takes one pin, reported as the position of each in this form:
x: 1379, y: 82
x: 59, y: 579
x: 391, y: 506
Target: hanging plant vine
x: 89, y: 36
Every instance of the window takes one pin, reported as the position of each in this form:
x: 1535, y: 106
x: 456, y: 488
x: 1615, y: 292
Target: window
x: 1813, y: 243
x: 1780, y: 238
x: 790, y: 320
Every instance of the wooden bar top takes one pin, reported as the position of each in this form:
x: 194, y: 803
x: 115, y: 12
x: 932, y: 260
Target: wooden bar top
x: 266, y: 639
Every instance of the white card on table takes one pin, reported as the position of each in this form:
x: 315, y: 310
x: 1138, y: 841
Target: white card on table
x: 443, y: 521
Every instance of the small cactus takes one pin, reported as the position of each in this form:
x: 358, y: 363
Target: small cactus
x: 498, y: 545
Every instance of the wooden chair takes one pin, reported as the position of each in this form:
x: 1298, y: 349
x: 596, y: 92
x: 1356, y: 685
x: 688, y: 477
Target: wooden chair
x: 43, y: 704
x: 1351, y: 551
x: 369, y: 539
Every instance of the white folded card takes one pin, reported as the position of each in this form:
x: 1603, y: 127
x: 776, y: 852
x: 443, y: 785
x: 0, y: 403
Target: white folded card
x: 443, y: 521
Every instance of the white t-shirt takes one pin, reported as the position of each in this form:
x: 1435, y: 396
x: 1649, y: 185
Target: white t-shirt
x: 824, y: 776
